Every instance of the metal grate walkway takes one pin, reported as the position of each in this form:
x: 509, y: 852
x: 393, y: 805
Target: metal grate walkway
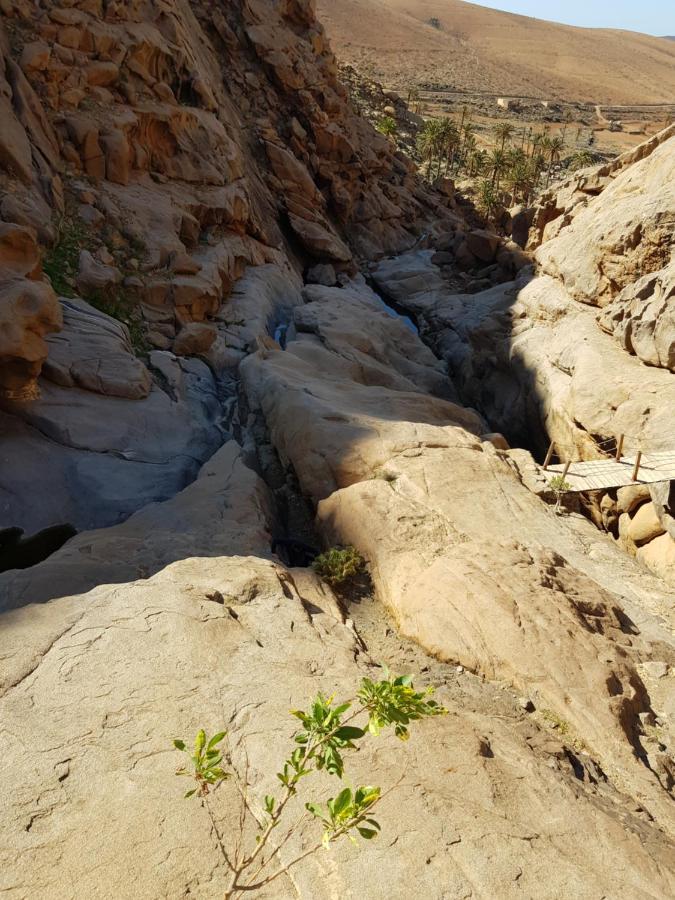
x: 610, y: 473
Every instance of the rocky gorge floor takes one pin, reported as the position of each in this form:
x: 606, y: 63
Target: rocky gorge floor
x: 289, y: 356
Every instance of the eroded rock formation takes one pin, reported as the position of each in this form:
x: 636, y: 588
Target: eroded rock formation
x: 216, y: 374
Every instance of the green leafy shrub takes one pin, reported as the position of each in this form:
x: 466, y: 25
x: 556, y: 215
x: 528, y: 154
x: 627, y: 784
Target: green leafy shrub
x: 62, y: 259
x: 338, y: 565
x: 328, y: 732
x: 387, y: 126
x: 559, y: 487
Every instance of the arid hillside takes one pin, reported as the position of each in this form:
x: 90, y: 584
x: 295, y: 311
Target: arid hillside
x: 455, y: 44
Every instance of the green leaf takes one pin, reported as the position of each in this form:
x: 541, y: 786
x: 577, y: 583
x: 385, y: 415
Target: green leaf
x: 216, y: 739
x: 367, y: 833
x: 349, y: 733
x: 200, y: 741
x: 269, y: 804
x: 342, y: 801
x: 190, y: 793
x: 366, y: 796
x: 179, y: 745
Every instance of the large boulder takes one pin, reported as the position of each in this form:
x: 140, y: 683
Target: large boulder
x: 94, y: 352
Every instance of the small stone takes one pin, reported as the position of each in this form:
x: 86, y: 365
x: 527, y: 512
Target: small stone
x: 35, y: 56
x: 183, y: 264
x: 459, y: 670
x: 90, y: 215
x: 323, y: 273
x: 656, y: 669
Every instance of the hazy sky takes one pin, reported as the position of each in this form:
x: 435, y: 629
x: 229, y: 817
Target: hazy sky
x: 650, y: 16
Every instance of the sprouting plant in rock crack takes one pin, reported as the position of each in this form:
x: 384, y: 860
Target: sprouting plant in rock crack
x: 327, y: 734
x: 338, y: 565
x: 559, y: 487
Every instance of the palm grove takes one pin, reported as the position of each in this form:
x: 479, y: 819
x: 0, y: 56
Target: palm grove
x: 510, y: 172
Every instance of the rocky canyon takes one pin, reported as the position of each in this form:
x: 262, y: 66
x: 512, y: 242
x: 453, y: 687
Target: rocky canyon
x: 234, y: 317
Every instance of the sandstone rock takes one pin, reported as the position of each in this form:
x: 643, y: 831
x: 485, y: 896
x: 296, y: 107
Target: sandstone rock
x: 182, y: 264
x: 322, y: 274
x: 19, y: 253
x: 496, y: 340
x: 619, y: 236
x: 29, y: 310
x: 94, y: 459
x: 35, y: 56
x: 642, y: 318
x: 663, y: 497
x: 659, y: 556
x: 320, y: 239
x: 645, y: 525
x: 101, y: 73
x: 194, y: 339
x: 483, y: 244
x: 629, y: 498
x: 232, y: 614
x: 93, y: 275
x: 496, y: 439
x: 431, y: 539
x: 117, y: 153
x: 94, y: 352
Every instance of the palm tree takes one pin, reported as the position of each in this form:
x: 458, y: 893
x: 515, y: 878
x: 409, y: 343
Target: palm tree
x: 497, y: 165
x: 476, y: 162
x: 449, y: 140
x: 428, y: 142
x: 487, y: 198
x: 504, y: 132
x: 518, y: 179
x: 555, y: 148
x: 467, y: 131
x: 581, y: 159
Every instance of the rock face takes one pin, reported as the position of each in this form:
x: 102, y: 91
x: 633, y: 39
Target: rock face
x: 86, y: 678
x: 171, y: 170
x: 29, y: 310
x: 642, y: 318
x: 624, y: 234
x: 377, y: 459
x: 157, y: 153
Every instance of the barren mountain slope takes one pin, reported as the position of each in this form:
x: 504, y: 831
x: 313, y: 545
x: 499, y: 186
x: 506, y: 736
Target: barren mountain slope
x: 484, y: 49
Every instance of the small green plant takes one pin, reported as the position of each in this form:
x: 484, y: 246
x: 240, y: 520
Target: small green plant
x: 563, y: 729
x: 559, y: 487
x: 62, y: 259
x: 387, y: 126
x: 328, y: 732
x: 206, y: 760
x: 338, y: 565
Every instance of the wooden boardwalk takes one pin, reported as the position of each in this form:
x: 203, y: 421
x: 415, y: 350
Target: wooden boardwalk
x: 599, y: 474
